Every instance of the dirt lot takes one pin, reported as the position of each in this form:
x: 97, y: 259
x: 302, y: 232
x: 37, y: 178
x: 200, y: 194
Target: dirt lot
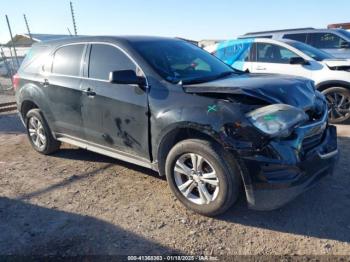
x: 78, y: 202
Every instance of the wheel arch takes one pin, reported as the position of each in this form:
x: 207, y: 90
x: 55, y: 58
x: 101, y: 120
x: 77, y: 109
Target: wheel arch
x: 31, y: 96
x: 26, y: 106
x: 332, y: 83
x: 174, y: 136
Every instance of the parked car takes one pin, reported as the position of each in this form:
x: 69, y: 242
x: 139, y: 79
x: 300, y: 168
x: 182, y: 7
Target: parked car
x: 168, y: 105
x: 289, y: 57
x: 333, y: 41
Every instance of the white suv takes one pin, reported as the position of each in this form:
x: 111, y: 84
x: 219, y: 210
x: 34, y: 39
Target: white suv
x: 333, y: 41
x: 289, y: 57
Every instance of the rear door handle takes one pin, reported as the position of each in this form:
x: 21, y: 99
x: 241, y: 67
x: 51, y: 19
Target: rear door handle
x: 260, y: 68
x: 45, y: 83
x: 89, y: 92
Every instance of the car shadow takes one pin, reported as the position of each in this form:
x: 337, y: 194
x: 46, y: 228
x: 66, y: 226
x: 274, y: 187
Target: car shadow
x: 85, y: 155
x: 322, y: 212
x: 28, y: 229
x: 11, y: 124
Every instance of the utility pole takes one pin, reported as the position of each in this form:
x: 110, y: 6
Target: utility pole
x: 73, y: 19
x: 27, y: 25
x: 13, y: 43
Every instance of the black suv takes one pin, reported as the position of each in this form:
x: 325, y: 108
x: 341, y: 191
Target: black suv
x: 168, y: 105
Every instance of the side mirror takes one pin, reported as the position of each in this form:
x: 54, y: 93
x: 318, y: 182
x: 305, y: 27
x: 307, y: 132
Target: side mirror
x: 298, y: 61
x: 344, y: 44
x: 127, y: 77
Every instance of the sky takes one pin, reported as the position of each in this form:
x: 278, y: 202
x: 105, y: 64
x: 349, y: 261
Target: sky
x: 193, y: 19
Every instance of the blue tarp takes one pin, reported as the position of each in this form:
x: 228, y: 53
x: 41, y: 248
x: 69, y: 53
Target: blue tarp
x: 233, y: 52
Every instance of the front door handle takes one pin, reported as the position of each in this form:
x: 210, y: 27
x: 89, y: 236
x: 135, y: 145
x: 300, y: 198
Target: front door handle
x: 89, y: 92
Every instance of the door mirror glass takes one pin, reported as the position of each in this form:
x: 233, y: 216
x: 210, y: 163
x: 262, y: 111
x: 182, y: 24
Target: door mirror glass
x: 127, y: 77
x: 298, y: 61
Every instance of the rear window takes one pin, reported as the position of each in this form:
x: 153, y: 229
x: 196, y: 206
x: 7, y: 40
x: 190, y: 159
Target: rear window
x: 67, y: 60
x: 296, y: 37
x: 325, y: 40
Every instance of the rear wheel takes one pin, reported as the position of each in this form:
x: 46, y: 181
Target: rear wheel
x: 338, y: 99
x: 39, y: 133
x: 201, y: 177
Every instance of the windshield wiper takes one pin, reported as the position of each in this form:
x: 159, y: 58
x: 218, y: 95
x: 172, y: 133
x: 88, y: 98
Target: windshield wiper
x: 208, y: 78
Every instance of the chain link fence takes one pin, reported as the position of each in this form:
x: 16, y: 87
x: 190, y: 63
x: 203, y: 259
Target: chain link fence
x: 9, y: 65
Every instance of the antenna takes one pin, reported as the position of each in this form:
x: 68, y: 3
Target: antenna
x: 73, y: 19
x: 70, y: 33
x: 27, y: 25
x: 13, y: 43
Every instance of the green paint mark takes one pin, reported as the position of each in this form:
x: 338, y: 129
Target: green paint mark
x: 212, y: 108
x: 269, y: 117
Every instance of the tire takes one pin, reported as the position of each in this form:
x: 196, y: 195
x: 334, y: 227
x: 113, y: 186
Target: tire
x: 228, y: 179
x: 37, y: 130
x: 338, y: 99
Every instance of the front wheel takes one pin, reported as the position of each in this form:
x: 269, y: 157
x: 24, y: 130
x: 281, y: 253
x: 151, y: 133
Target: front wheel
x: 202, y: 177
x: 338, y: 99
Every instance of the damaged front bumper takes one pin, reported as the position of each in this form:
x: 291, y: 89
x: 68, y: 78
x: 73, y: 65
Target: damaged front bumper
x: 298, y: 164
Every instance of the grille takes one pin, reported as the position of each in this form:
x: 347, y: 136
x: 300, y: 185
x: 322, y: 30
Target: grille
x: 312, y: 141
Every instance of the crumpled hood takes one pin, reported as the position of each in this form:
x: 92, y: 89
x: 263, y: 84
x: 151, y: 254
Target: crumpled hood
x: 274, y: 89
x: 336, y: 62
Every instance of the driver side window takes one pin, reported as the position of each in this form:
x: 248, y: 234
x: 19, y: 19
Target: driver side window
x: 105, y: 59
x: 270, y: 53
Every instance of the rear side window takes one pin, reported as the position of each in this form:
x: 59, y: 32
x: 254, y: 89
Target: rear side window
x: 325, y: 40
x: 296, y: 37
x: 105, y: 59
x: 34, y: 59
x: 67, y: 60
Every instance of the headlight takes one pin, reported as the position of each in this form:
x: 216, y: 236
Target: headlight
x: 277, y: 120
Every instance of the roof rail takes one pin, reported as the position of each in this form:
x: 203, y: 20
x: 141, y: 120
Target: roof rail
x: 277, y: 31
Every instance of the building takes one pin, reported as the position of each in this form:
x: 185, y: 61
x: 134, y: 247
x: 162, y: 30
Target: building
x: 23, y: 42
x: 208, y: 42
x: 340, y: 25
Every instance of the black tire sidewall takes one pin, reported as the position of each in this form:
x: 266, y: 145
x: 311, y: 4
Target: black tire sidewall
x: 228, y: 183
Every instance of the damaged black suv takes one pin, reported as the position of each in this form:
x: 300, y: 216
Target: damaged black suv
x: 168, y: 105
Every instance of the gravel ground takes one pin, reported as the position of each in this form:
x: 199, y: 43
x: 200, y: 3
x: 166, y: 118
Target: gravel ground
x: 78, y: 202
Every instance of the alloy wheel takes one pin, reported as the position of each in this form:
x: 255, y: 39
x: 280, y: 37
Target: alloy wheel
x: 338, y: 106
x: 196, y: 178
x: 37, y: 133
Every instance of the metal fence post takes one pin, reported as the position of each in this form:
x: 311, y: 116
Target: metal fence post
x: 13, y: 43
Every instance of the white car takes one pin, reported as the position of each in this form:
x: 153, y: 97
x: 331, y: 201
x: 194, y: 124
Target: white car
x: 289, y: 57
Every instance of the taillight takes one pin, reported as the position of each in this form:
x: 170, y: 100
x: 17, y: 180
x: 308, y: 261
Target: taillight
x: 15, y: 81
